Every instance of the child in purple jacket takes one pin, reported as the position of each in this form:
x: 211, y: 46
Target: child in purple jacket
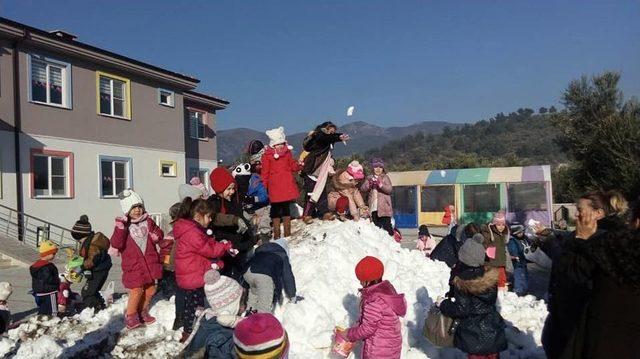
x: 381, y: 306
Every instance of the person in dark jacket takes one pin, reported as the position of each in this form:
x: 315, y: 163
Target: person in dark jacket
x: 480, y: 329
x: 45, y: 280
x: 516, y: 247
x: 269, y: 272
x: 96, y: 263
x: 318, y: 144
x: 447, y: 249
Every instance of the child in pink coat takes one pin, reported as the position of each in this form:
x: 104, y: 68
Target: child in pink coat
x: 381, y: 306
x: 135, y: 237
x: 425, y: 243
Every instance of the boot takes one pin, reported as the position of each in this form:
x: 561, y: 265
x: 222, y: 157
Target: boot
x: 132, y: 321
x: 307, y: 219
x: 146, y: 317
x: 276, y: 228
x: 328, y: 216
x: 286, y: 221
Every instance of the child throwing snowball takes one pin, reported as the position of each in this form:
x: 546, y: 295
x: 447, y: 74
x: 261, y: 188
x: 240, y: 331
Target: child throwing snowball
x: 135, y: 237
x: 195, y: 251
x: 380, y: 308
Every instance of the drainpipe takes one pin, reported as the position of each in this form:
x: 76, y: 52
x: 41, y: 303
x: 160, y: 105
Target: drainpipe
x: 17, y: 128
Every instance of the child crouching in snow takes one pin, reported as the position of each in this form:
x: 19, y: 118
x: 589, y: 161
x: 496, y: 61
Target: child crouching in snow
x: 381, y: 306
x: 346, y: 189
x: 135, y: 237
x: 195, y: 251
x: 425, y: 243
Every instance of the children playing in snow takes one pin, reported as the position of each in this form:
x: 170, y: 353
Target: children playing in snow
x: 135, y: 237
x: 516, y: 246
x: 96, y: 261
x: 381, y: 306
x: 379, y: 188
x: 425, y: 243
x: 268, y: 273
x: 5, y: 314
x: 472, y: 302
x: 45, y: 280
x: 347, y: 191
x: 278, y: 167
x: 195, y: 255
x: 261, y: 335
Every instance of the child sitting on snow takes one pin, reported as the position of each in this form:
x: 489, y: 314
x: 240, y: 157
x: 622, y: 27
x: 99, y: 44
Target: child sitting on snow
x: 134, y: 238
x: 260, y: 335
x: 425, y: 243
x: 346, y: 185
x: 278, y: 167
x: 381, y: 306
x: 213, y: 330
x: 5, y: 314
x: 268, y: 273
x: 45, y: 280
x: 195, y: 251
x: 472, y: 302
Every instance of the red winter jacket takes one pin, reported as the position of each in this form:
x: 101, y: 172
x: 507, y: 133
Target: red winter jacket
x: 194, y: 253
x: 138, y: 268
x: 277, y: 175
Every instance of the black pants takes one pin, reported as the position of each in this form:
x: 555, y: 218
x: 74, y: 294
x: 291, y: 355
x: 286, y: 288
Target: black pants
x: 178, y: 322
x: 382, y: 222
x: 167, y: 285
x: 192, y: 300
x: 48, y: 304
x: 235, y: 267
x: 315, y: 210
x: 90, y: 293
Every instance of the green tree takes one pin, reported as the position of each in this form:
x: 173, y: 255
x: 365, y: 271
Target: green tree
x: 542, y: 110
x: 601, y: 131
x: 552, y: 109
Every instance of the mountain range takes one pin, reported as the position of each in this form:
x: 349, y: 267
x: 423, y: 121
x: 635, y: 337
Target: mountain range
x: 364, y: 136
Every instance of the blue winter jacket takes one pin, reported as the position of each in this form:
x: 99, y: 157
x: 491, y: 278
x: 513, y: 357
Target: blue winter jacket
x: 257, y: 191
x: 516, y: 249
x: 211, y: 340
x: 272, y: 259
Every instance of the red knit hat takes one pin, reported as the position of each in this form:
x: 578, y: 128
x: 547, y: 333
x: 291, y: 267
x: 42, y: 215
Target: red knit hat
x: 220, y: 179
x: 369, y: 268
x: 260, y: 335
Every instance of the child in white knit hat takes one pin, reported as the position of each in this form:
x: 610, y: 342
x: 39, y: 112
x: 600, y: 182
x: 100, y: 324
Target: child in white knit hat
x: 5, y: 315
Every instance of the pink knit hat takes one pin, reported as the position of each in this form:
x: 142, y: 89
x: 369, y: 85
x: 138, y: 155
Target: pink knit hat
x: 355, y: 170
x: 499, y: 218
x: 260, y: 333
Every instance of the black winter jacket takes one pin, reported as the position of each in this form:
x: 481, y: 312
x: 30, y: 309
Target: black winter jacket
x: 242, y: 242
x: 481, y: 327
x: 44, y: 277
x: 447, y: 249
x: 271, y: 259
x: 318, y: 144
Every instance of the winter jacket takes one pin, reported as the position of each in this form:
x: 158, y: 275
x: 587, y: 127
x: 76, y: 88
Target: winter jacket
x: 277, y: 172
x: 167, y: 251
x: 95, y: 253
x: 447, y: 249
x: 44, y: 277
x: 384, y: 188
x: 344, y: 187
x: 272, y: 259
x: 5, y: 319
x: 516, y: 250
x: 138, y: 267
x: 480, y: 327
x: 493, y: 238
x: 379, y: 325
x: 257, y: 192
x: 447, y: 217
x: 318, y: 144
x: 228, y: 230
x: 194, y: 253
x: 211, y: 340
x: 223, y: 216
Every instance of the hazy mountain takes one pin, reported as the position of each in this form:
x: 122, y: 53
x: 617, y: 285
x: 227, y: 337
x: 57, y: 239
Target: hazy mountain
x: 365, y: 136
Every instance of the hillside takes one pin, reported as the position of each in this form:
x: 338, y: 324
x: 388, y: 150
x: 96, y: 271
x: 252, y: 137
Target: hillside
x: 365, y: 136
x: 519, y: 138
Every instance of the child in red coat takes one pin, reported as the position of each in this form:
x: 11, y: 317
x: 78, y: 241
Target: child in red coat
x: 135, y: 237
x: 195, y: 251
x: 278, y: 167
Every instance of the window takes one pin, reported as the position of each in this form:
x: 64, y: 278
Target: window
x: 404, y: 199
x: 168, y: 169
x: 114, y: 96
x: 49, y: 81
x: 201, y: 173
x: 482, y: 198
x: 51, y: 174
x: 115, y: 175
x: 435, y: 198
x: 527, y: 197
x: 166, y: 97
x: 197, y: 125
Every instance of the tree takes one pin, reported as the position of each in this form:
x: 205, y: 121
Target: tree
x: 552, y: 109
x: 542, y: 110
x: 601, y: 131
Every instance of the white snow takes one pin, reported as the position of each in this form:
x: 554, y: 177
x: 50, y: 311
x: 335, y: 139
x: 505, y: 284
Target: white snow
x: 323, y: 256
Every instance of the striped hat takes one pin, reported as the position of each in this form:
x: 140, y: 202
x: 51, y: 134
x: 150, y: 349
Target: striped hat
x: 260, y: 336
x: 82, y: 228
x: 47, y: 247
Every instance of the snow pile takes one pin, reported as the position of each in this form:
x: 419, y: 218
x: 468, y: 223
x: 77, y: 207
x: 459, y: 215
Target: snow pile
x: 323, y: 256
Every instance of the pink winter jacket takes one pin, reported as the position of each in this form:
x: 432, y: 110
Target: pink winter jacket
x: 384, y: 188
x: 194, y: 253
x: 379, y: 325
x: 139, y: 267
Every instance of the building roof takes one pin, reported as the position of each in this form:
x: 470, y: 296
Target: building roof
x: 206, y: 99
x: 473, y: 176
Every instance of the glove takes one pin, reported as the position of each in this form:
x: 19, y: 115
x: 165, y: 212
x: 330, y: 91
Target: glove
x: 87, y: 274
x: 122, y: 222
x: 242, y: 226
x: 233, y: 252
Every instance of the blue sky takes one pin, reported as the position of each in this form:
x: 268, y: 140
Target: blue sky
x: 296, y: 63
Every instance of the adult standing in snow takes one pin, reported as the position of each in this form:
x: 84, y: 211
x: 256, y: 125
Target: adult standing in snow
x: 318, y: 166
x: 379, y: 188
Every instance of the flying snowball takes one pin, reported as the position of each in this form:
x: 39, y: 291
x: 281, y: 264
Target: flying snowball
x: 443, y: 173
x: 350, y: 110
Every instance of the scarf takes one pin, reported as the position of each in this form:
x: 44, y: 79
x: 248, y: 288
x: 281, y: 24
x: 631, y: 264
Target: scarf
x: 139, y: 231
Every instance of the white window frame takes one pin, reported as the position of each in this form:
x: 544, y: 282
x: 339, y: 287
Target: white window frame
x: 174, y: 168
x: 128, y: 169
x: 65, y: 77
x: 125, y: 99
x: 172, y: 98
x: 202, y: 123
x: 67, y: 177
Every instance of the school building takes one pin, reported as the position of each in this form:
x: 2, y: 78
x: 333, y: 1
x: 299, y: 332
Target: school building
x: 419, y: 197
